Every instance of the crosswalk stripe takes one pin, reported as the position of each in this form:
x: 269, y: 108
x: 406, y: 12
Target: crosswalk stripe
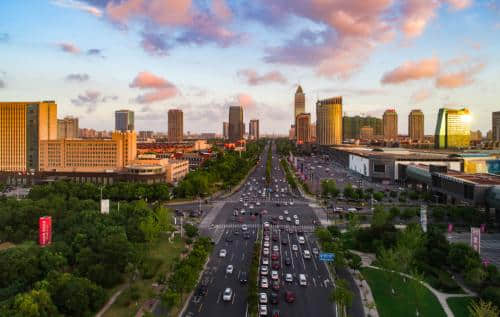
x: 305, y: 228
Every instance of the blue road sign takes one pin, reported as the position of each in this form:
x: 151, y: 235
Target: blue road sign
x: 328, y: 257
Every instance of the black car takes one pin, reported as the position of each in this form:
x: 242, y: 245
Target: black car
x: 274, y: 298
x: 246, y: 235
x: 179, y: 213
x: 236, y: 232
x: 229, y: 238
x: 288, y: 261
x: 243, y: 278
x: 284, y: 242
x: 202, y: 290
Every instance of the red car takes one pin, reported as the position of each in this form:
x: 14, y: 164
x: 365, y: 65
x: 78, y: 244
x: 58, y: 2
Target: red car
x: 275, y: 256
x: 276, y: 265
x: 276, y: 285
x: 289, y: 297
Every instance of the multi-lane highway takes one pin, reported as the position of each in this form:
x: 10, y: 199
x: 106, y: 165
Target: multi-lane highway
x: 266, y: 211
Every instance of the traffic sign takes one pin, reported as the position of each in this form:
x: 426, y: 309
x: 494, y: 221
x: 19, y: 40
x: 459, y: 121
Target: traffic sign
x: 327, y: 257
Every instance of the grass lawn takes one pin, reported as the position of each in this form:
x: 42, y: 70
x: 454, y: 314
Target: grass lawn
x: 404, y: 302
x: 163, y: 250
x: 459, y: 305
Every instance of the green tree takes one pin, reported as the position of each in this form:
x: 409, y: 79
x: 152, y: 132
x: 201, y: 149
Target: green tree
x: 150, y: 228
x: 35, y: 303
x: 380, y: 217
x: 483, y: 309
x: 342, y: 296
x: 191, y: 231
x: 463, y: 258
x: 388, y: 260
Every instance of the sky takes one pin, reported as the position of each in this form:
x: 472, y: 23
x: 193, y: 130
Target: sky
x: 97, y: 56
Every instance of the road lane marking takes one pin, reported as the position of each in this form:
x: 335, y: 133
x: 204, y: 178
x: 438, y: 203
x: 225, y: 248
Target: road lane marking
x: 218, y: 298
x: 199, y: 309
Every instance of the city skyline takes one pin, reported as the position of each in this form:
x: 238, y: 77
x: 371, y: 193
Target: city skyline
x: 132, y: 63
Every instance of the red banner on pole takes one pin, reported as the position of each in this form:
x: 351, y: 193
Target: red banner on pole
x: 45, y: 230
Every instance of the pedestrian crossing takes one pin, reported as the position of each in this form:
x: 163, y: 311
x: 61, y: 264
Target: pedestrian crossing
x: 305, y: 228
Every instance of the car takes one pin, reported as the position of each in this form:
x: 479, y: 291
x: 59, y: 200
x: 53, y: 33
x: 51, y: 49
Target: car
x: 276, y: 265
x: 295, y: 217
x: 276, y: 285
x: 302, y: 280
x: 258, y: 203
x: 251, y: 207
x: 288, y: 219
x: 244, y: 227
x: 245, y: 204
x: 277, y: 204
x: 246, y: 235
x: 266, y: 224
x: 284, y: 242
x: 264, y: 270
x: 275, y: 248
x: 265, y: 251
x: 266, y: 238
x: 243, y: 277
x: 229, y: 269
x: 265, y: 261
x: 297, y: 222
x: 289, y: 296
x: 307, y: 254
x: 280, y: 217
x: 263, y: 310
x: 315, y: 251
x: 352, y: 210
x: 264, y: 283
x: 285, y: 212
x: 274, y: 298
x: 236, y: 232
x: 288, y: 261
x: 291, y: 203
x: 275, y: 237
x: 302, y: 240
x: 295, y: 247
x: 286, y: 204
x: 338, y: 209
x: 274, y: 275
x: 228, y: 294
x: 222, y: 253
x: 266, y: 244
x: 275, y: 256
x: 288, y: 277
x: 229, y: 238
x: 300, y: 231
x: 242, y: 212
x: 275, y: 313
x: 202, y: 290
x: 263, y: 298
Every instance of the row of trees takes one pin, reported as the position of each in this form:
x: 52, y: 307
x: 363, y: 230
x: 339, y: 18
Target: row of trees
x: 253, y: 278
x: 285, y: 146
x: 269, y: 164
x: 223, y: 172
x: 289, y: 176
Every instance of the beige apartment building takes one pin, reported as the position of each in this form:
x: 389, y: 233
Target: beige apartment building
x: 329, y: 121
x: 67, y: 128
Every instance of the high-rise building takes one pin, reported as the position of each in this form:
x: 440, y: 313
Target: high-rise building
x: 67, y: 128
x: 124, y: 120
x: 495, y: 126
x: 390, y: 124
x: 291, y: 132
x: 253, y: 128
x: 452, y: 128
x: 312, y: 132
x: 303, y: 129
x: 366, y: 133
x: 476, y: 135
x: 22, y: 126
x: 416, y: 125
x: 329, y: 121
x: 225, y: 130
x: 146, y: 134
x: 175, y: 125
x: 351, y: 126
x: 236, y: 125
x: 299, y: 105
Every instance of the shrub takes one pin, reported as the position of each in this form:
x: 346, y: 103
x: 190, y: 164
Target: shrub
x: 491, y: 294
x: 149, y: 267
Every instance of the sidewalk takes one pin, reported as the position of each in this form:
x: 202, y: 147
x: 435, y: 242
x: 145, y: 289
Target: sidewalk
x: 112, y: 300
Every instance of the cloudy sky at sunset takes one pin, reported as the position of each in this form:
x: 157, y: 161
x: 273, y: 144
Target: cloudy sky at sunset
x: 97, y: 56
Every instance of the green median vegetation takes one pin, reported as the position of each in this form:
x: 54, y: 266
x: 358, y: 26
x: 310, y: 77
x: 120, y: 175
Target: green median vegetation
x: 289, y: 177
x: 253, y: 279
x: 269, y: 164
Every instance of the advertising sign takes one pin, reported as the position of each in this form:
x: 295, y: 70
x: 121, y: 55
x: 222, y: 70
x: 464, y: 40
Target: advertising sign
x: 104, y: 206
x: 450, y: 228
x: 483, y: 228
x: 44, y: 230
x: 327, y: 257
x: 475, y: 238
x: 423, y: 217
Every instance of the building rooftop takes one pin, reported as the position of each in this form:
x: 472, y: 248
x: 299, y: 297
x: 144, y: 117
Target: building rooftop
x: 479, y: 179
x: 397, y: 154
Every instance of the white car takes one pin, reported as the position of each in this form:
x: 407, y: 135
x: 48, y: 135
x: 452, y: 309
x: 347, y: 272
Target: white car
x: 285, y: 212
x: 251, y: 207
x: 295, y: 217
x: 265, y: 261
x: 302, y: 240
x: 291, y: 203
x: 302, y: 280
x: 286, y: 204
x: 266, y: 251
x: 263, y: 298
x: 258, y: 203
x: 222, y: 253
x: 288, y: 219
x: 229, y: 269
x: 274, y: 275
x: 266, y: 238
x: 242, y: 212
x: 295, y: 247
x: 307, y: 254
x: 352, y: 210
x: 263, y: 310
x: 245, y: 204
x: 275, y: 248
x: 289, y: 277
x: 244, y: 227
x: 266, y: 224
x: 228, y: 295
x: 264, y: 270
x: 264, y: 283
x: 281, y: 218
x: 297, y: 222
x: 266, y: 244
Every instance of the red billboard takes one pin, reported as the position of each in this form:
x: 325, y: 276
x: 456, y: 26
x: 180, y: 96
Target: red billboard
x: 45, y: 230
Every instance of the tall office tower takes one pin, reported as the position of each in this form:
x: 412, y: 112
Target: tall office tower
x: 291, y: 132
x: 366, y: 133
x: 299, y: 105
x: 351, y: 126
x: 390, y: 124
x: 495, y: 127
x: 452, y: 128
x: 175, y: 125
x: 67, y: 128
x: 23, y: 125
x: 225, y: 130
x: 253, y: 128
x: 416, y: 125
x: 312, y: 132
x: 329, y: 121
x: 303, y: 129
x: 236, y: 123
x: 476, y: 136
x: 124, y: 120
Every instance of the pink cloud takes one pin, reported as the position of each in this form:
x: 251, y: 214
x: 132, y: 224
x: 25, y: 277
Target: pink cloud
x: 161, y: 88
x: 163, y: 12
x: 69, y: 48
x: 459, y: 4
x: 221, y: 10
x: 254, y: 79
x: 421, y: 95
x: 245, y: 100
x: 77, y: 5
x: 458, y: 79
x: 426, y: 68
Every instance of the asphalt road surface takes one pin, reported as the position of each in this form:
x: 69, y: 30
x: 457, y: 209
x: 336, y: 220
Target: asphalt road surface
x: 224, y: 226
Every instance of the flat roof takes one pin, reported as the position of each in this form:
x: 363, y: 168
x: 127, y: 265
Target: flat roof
x: 480, y: 178
x: 397, y: 154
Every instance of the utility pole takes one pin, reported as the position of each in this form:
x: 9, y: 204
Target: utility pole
x: 181, y: 226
